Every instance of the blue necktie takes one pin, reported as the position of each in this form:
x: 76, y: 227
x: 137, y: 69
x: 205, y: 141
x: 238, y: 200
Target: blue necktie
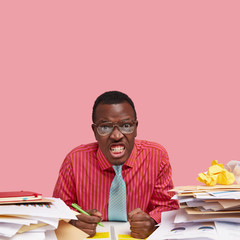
x: 117, y: 197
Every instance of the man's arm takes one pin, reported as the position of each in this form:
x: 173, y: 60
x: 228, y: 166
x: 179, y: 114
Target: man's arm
x: 161, y: 198
x: 86, y: 223
x: 143, y: 224
x: 65, y: 189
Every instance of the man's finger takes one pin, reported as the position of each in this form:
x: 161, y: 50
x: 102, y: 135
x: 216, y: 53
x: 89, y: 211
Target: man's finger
x: 134, y: 212
x: 94, y: 212
x: 138, y: 235
x: 139, y: 217
x: 88, y: 219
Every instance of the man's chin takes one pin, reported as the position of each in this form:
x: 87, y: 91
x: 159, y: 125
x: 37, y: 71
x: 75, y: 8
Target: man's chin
x: 117, y: 161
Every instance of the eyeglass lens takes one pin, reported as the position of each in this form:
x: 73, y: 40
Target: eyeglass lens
x: 107, y: 128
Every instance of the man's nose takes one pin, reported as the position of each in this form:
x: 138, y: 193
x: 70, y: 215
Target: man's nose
x: 116, y: 133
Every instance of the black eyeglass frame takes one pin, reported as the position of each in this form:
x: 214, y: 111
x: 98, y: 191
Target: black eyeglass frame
x: 115, y: 125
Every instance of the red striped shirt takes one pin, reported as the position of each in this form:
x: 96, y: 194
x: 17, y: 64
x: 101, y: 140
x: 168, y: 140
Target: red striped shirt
x: 85, y: 178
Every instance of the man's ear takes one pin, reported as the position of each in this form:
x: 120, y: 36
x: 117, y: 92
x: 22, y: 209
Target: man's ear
x: 136, y: 128
x: 136, y: 123
x: 94, y: 131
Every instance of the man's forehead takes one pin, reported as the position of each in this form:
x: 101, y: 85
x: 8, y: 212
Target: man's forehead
x: 123, y: 105
x: 114, y: 110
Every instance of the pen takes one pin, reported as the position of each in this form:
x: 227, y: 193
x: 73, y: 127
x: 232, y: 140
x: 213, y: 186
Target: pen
x: 82, y: 211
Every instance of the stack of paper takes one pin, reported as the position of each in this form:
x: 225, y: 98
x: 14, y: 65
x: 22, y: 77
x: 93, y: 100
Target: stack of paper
x: 206, y: 212
x: 210, y: 202
x: 202, y: 230
x: 41, y: 219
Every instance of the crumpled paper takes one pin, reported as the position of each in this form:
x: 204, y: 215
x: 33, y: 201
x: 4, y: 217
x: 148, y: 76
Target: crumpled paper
x: 234, y: 167
x: 216, y: 174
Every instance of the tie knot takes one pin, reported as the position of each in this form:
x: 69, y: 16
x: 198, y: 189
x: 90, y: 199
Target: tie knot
x: 118, y: 169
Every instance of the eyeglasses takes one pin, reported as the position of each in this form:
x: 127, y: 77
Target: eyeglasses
x: 106, y: 128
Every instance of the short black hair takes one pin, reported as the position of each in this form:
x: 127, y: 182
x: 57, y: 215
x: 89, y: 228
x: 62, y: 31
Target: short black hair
x: 113, y: 97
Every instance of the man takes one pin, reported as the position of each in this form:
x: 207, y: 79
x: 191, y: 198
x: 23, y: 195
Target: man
x: 87, y: 175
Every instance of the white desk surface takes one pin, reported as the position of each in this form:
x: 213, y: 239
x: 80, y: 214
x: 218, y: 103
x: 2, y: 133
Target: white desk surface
x: 122, y: 228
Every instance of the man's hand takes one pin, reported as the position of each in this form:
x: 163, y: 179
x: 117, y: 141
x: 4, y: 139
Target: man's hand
x: 87, y: 223
x: 141, y: 224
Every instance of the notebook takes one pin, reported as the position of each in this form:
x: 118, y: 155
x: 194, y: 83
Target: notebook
x: 19, y: 196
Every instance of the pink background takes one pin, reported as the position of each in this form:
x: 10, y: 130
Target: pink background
x: 178, y: 60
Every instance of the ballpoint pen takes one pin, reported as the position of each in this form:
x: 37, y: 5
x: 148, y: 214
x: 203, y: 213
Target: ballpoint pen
x: 82, y: 211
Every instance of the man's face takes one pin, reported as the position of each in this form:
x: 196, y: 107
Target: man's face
x: 115, y: 146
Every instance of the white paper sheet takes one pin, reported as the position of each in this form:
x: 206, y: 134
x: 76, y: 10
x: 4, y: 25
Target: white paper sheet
x: 17, y: 220
x: 43, y: 229
x: 26, y: 236
x: 189, y: 230
x: 58, y: 209
x: 51, y: 221
x: 50, y: 235
x: 218, y: 195
x: 169, y: 230
x: 182, y: 216
x: 9, y: 229
x: 228, y: 231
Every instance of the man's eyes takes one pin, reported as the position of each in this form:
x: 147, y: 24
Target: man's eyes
x: 127, y: 125
x: 105, y: 126
x: 110, y: 125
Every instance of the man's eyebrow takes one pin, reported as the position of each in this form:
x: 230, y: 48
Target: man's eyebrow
x: 127, y: 119
x: 103, y: 121
x: 123, y: 120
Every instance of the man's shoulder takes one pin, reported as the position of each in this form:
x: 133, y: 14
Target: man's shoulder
x: 85, y: 148
x: 145, y: 145
x: 152, y: 152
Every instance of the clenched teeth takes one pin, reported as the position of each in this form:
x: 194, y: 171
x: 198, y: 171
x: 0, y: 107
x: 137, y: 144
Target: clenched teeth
x: 117, y: 149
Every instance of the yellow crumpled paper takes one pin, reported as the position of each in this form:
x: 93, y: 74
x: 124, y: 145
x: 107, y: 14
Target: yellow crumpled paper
x: 216, y: 174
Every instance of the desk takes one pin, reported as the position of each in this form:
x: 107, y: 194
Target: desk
x: 122, y: 231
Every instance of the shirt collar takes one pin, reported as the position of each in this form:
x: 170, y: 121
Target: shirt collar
x: 104, y: 164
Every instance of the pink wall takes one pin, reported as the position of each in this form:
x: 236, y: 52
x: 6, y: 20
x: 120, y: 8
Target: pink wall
x: 178, y: 60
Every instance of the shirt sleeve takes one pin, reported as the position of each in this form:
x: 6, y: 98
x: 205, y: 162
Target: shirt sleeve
x: 65, y: 186
x: 161, y: 198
